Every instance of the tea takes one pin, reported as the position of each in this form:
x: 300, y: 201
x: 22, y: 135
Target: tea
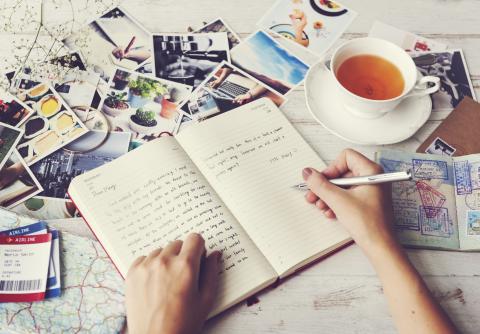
x: 371, y: 77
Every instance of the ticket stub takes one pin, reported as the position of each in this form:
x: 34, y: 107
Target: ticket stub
x: 54, y: 283
x: 24, y: 262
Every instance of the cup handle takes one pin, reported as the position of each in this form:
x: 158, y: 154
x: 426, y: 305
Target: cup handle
x: 423, y: 88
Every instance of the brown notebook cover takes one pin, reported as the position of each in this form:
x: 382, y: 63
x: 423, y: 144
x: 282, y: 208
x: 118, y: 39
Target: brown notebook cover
x: 458, y: 134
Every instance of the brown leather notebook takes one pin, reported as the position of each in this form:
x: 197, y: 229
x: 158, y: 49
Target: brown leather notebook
x: 458, y: 134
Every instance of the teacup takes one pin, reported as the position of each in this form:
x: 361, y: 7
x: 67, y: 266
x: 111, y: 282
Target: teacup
x: 369, y: 108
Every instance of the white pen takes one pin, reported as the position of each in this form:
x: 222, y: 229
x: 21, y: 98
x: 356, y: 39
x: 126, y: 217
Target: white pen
x: 364, y: 180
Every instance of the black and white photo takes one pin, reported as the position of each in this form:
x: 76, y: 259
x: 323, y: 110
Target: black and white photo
x: 451, y: 68
x: 441, y: 147
x: 189, y: 58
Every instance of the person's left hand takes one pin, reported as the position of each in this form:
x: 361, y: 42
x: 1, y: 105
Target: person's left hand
x: 242, y: 99
x: 171, y: 291
x: 119, y: 53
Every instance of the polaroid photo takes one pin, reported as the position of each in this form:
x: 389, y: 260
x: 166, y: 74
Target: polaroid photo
x: 114, y: 39
x: 227, y: 88
x: 43, y: 208
x: 219, y: 25
x: 189, y: 58
x: 312, y: 24
x: 78, y: 88
x: 440, y: 147
x: 9, y: 139
x: 17, y: 182
x: 13, y: 111
x: 404, y: 39
x: 451, y: 68
x: 144, y: 106
x: 56, y: 171
x: 52, y: 125
x: 267, y: 61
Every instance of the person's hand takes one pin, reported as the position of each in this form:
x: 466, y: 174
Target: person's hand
x: 299, y: 21
x: 119, y: 52
x: 365, y: 211
x: 242, y: 99
x: 171, y: 291
x: 215, y: 83
x: 138, y: 56
x: 10, y: 174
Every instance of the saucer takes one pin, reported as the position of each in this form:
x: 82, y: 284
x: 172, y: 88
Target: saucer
x: 328, y: 110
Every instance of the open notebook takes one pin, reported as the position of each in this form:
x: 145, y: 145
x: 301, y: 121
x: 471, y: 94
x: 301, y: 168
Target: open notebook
x: 229, y: 178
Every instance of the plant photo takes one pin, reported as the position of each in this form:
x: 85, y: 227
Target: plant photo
x: 142, y: 105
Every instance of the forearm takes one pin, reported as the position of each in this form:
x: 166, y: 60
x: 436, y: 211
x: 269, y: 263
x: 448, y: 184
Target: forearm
x: 412, y: 306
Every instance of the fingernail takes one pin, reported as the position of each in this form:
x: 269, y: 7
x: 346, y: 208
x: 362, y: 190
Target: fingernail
x: 306, y: 173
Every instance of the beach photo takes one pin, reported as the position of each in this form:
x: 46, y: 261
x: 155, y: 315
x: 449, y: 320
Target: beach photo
x: 143, y: 106
x: 219, y: 25
x: 56, y: 171
x: 189, y: 58
x: 225, y: 89
x: 450, y: 66
x: 52, y: 125
x: 12, y: 111
x: 114, y: 39
x: 312, y: 24
x: 17, y: 182
x: 9, y: 138
x: 266, y: 60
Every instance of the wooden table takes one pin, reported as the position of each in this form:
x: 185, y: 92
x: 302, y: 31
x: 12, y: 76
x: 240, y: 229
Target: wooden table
x: 342, y: 294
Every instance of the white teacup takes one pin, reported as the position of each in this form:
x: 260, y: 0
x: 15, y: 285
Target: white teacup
x: 367, y: 108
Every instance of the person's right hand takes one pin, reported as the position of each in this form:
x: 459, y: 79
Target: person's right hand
x: 365, y: 211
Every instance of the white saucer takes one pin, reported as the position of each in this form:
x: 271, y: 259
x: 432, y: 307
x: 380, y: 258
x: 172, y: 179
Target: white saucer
x: 328, y: 110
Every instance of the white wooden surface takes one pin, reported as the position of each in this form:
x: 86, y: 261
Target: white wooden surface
x: 342, y: 294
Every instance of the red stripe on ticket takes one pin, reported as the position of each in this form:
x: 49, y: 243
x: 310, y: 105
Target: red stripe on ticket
x: 25, y: 240
x: 22, y: 298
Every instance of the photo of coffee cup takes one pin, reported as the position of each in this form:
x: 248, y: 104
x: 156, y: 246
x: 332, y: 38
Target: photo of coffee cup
x: 374, y: 76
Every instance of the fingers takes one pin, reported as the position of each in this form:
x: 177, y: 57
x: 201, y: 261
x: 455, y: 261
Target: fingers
x: 193, y: 251
x: 209, y: 278
x: 353, y: 163
x: 173, y: 248
x: 322, y: 188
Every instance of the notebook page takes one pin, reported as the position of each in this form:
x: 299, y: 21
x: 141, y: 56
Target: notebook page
x: 155, y: 195
x: 252, y: 156
x: 467, y: 195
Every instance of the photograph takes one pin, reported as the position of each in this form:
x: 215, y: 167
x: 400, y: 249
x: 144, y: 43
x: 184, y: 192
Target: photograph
x: 12, y: 111
x: 114, y: 39
x: 189, y: 58
x: 144, y: 106
x: 56, y: 171
x: 266, y: 60
x: 312, y: 24
x: 219, y: 25
x: 17, y: 183
x: 404, y: 39
x: 52, y: 125
x: 440, y: 147
x: 43, y: 208
x: 451, y: 68
x: 9, y: 139
x: 77, y: 87
x: 225, y: 89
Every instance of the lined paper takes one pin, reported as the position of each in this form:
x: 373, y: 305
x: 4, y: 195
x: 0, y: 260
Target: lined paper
x: 252, y: 157
x: 155, y: 195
